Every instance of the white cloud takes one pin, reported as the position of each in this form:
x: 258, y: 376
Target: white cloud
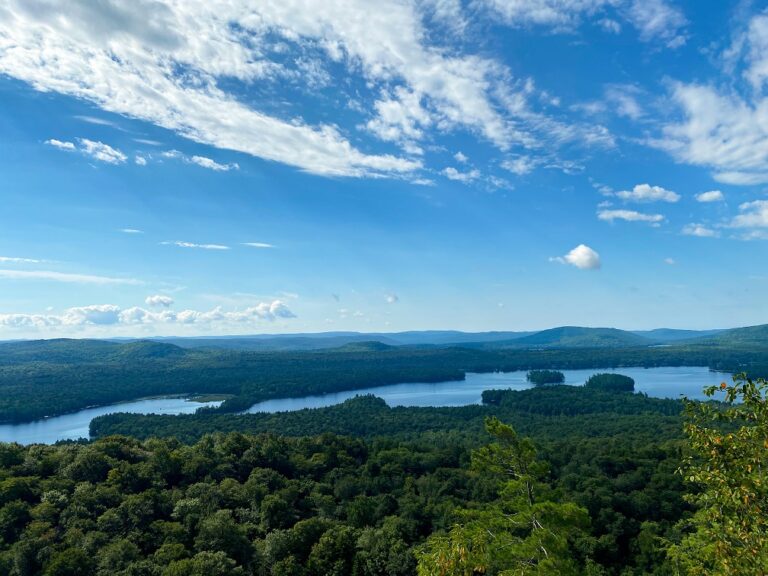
x: 753, y: 215
x: 699, y: 230
x: 102, y: 152
x: 121, y: 57
x: 258, y: 244
x: 648, y: 193
x: 184, y: 66
x: 558, y: 14
x: 112, y: 315
x: 656, y: 20
x: 725, y: 133
x: 131, y: 231
x: 670, y: 261
x: 623, y: 100
x: 182, y: 244
x: 610, y: 25
x: 96, y: 150
x: 64, y: 277
x: 711, y: 196
x: 582, y: 257
x: 60, y: 145
x: 452, y: 174
x: 97, y: 121
x: 148, y: 142
x: 140, y: 160
x: 629, y: 216
x: 16, y: 260
x: 212, y: 164
x: 520, y: 165
x: 460, y: 157
x: 159, y: 300
x: 391, y: 298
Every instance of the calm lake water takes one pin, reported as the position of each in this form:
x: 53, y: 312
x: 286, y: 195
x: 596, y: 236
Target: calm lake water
x: 75, y: 425
x: 659, y: 382
x: 668, y: 382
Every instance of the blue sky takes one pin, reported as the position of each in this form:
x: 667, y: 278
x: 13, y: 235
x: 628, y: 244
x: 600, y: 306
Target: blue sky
x: 235, y: 167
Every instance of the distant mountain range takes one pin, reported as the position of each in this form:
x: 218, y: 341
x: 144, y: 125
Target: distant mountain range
x: 563, y: 337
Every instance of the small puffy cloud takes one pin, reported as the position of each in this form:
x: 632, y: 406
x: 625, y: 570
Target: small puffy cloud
x: 212, y: 164
x: 699, y: 230
x: 392, y: 298
x: 182, y: 244
x: 452, y: 174
x: 258, y: 245
x: 711, y: 196
x: 629, y: 216
x: 102, y: 152
x: 159, y: 300
x: 753, y: 215
x: 460, y: 157
x: 140, y: 160
x: 60, y: 145
x: 582, y: 257
x: 648, y: 193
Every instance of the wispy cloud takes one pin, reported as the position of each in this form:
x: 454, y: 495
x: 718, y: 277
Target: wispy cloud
x: 17, y: 260
x: 213, y: 165
x: 94, y: 149
x: 452, y: 174
x: 258, y: 245
x: 102, y: 152
x: 629, y: 216
x: 61, y: 145
x: 65, y: 277
x: 97, y: 121
x: 182, y: 244
x: 131, y: 231
x: 699, y: 230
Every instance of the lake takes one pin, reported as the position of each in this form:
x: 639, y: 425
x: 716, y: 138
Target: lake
x: 667, y: 382
x: 75, y: 425
x: 658, y: 382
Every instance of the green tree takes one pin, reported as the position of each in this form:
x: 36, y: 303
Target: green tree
x: 728, y: 534
x: 526, y: 531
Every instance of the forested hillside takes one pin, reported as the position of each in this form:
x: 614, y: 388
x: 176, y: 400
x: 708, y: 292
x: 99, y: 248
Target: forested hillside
x: 45, y: 378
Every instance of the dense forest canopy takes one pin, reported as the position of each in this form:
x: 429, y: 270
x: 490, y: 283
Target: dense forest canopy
x: 611, y: 382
